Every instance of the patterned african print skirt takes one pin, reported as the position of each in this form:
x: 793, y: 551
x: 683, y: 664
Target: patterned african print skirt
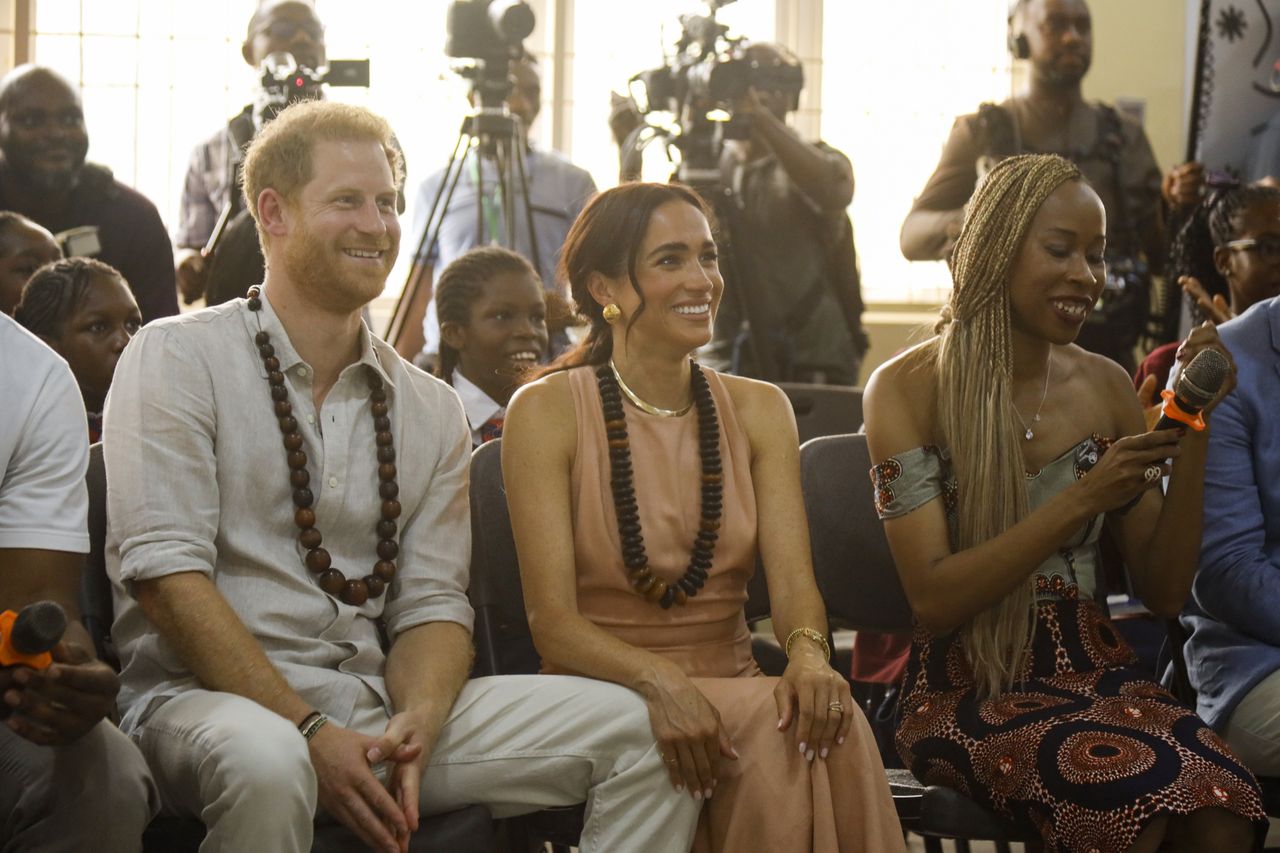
x: 1085, y: 751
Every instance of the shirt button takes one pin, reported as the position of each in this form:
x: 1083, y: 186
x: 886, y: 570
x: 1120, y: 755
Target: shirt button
x: 333, y: 482
x: 311, y: 419
x: 302, y: 370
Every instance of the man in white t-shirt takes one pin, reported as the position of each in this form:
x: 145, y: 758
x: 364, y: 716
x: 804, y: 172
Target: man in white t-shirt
x: 71, y: 781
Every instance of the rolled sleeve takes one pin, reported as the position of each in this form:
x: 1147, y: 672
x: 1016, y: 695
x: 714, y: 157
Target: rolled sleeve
x: 43, y: 499
x: 158, y: 440
x: 1237, y: 583
x: 436, y: 539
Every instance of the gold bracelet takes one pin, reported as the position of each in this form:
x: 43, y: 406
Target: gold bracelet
x: 808, y: 634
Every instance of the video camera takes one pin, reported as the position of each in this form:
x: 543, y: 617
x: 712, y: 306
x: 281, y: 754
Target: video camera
x: 700, y: 85
x: 490, y: 32
x: 284, y: 81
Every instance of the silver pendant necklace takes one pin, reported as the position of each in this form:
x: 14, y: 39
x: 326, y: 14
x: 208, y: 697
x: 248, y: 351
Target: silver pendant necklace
x: 1030, y: 432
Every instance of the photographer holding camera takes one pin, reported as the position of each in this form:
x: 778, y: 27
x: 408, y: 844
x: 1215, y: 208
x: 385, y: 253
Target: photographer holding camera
x: 1052, y: 117
x: 792, y: 242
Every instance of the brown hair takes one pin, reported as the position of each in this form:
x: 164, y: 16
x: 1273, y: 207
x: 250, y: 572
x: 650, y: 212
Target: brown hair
x: 975, y: 395
x: 279, y: 157
x: 606, y: 238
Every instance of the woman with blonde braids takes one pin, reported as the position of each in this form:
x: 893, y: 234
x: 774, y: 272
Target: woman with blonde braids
x: 1002, y: 449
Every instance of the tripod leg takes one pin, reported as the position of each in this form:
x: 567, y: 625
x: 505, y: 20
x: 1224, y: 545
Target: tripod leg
x: 523, y: 173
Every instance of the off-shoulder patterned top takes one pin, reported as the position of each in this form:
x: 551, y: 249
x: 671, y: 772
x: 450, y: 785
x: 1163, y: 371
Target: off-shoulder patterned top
x: 911, y: 479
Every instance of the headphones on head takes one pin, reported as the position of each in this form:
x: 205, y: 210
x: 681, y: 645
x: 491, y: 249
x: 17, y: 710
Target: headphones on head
x: 1018, y: 44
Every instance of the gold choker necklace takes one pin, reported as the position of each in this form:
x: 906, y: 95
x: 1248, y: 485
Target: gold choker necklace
x: 641, y: 404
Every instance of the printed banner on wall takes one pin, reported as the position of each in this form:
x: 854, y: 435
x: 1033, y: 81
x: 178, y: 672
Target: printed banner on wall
x: 1235, y: 111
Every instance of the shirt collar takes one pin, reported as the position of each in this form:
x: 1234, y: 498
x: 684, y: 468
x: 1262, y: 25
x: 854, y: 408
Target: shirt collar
x: 478, y: 405
x: 373, y: 352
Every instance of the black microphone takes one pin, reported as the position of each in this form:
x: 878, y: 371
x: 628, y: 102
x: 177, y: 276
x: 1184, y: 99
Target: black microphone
x: 27, y: 636
x: 1199, y: 383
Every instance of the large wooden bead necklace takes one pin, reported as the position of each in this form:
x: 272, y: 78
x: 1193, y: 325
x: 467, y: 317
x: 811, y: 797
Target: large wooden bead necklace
x: 622, y: 483
x: 357, y: 591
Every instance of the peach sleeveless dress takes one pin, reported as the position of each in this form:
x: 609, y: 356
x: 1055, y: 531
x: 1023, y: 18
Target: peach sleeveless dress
x: 770, y: 800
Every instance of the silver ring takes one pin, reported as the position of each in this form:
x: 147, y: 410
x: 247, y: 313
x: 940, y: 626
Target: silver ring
x: 1153, y: 473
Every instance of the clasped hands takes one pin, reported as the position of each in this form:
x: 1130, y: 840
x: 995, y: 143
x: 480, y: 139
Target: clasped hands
x: 58, y: 705
x: 383, y: 816
x: 813, y: 701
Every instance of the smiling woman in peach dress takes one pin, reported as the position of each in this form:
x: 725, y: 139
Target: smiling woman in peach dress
x: 641, y: 487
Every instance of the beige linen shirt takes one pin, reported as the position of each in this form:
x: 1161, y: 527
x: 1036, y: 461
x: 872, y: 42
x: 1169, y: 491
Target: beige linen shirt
x: 197, y: 481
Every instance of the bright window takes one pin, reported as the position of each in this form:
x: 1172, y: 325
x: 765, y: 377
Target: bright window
x: 891, y: 90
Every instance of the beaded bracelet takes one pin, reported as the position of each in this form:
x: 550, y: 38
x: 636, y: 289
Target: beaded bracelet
x: 311, y: 724
x: 808, y: 634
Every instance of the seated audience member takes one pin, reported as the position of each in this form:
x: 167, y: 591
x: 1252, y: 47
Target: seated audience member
x: 254, y: 596
x: 1225, y: 257
x: 618, y: 460
x: 493, y: 328
x: 44, y: 176
x: 84, y: 310
x: 557, y: 191
x: 1002, y: 449
x: 71, y: 781
x: 24, y: 248
x: 1233, y: 654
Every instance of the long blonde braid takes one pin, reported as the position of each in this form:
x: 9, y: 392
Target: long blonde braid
x: 975, y: 379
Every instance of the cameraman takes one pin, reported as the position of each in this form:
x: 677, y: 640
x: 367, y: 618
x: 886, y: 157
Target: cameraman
x: 1052, y: 117
x: 558, y: 190
x: 277, y: 26
x: 792, y: 244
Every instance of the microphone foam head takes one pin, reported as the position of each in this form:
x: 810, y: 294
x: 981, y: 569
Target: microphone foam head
x: 39, y: 627
x: 1202, y: 379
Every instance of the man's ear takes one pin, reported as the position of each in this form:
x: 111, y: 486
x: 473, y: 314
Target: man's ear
x: 600, y: 288
x: 453, y: 334
x: 273, y: 212
x: 1222, y: 261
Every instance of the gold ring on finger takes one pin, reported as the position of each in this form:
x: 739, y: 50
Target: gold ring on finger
x: 1152, y: 473
x: 838, y: 707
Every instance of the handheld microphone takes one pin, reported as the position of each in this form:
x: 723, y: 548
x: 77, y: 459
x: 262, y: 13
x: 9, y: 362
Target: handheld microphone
x: 1199, y: 383
x: 27, y: 635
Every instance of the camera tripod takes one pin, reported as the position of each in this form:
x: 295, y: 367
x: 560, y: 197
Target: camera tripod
x: 489, y: 133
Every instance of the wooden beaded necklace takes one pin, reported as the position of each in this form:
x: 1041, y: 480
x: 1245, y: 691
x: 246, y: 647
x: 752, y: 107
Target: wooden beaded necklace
x: 622, y: 484
x: 357, y: 591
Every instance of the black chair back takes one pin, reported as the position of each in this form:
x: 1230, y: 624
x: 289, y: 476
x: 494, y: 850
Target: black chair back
x: 504, y: 645
x: 96, y: 606
x: 851, y: 560
x: 824, y: 409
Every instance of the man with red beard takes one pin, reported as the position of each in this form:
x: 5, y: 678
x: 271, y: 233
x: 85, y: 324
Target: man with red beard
x: 44, y: 176
x: 1055, y: 37
x: 261, y: 581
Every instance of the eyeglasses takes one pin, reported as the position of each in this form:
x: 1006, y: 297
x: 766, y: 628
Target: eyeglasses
x: 1268, y: 248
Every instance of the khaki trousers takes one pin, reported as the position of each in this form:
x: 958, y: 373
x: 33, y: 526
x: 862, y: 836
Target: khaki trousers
x: 1253, y: 732
x: 513, y: 743
x: 92, y: 794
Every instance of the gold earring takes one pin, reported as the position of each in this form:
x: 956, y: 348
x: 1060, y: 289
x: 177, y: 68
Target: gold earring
x: 611, y: 313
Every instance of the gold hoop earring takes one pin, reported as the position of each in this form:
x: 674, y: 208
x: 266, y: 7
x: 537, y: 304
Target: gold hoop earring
x: 611, y: 313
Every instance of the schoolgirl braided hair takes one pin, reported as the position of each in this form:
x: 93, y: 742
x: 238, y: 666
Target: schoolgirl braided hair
x: 55, y: 291
x: 462, y: 283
